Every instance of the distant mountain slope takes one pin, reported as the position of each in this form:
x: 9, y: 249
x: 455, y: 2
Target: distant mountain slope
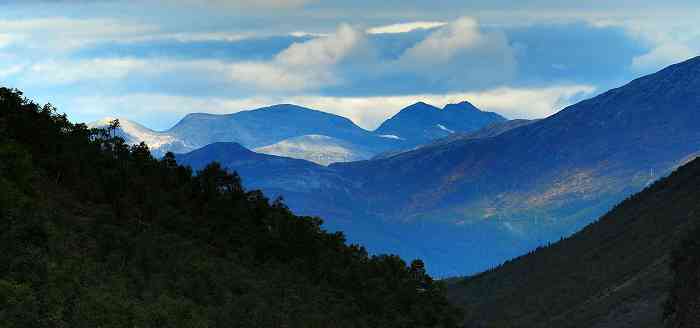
x: 421, y: 123
x: 276, y: 175
x: 317, y: 148
x: 488, y: 131
x: 526, y: 186
x: 613, y: 273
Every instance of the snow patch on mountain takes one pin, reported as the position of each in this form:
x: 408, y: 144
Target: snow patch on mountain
x: 442, y: 127
x: 391, y: 136
x: 135, y: 133
x: 319, y: 149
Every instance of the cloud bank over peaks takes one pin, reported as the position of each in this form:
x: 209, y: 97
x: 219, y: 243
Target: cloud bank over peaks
x: 305, y: 65
x: 461, y: 54
x: 454, y: 57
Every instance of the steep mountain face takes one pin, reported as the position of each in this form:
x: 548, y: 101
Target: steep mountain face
x: 316, y: 148
x: 526, y: 186
x: 420, y: 123
x: 616, y: 272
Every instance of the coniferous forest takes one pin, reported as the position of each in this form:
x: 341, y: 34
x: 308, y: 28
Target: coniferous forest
x: 97, y: 233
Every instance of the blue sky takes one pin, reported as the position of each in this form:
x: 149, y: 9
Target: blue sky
x: 154, y: 61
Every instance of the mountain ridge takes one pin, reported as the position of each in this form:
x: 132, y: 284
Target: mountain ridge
x: 272, y: 125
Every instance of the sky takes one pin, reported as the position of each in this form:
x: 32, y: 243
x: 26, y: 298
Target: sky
x: 155, y: 61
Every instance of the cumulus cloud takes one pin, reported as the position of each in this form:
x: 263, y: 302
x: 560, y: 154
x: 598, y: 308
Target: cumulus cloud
x: 663, y: 55
x: 529, y: 103
x: 461, y: 54
x: 444, y: 44
x: 404, y: 27
x: 670, y: 38
x: 304, y: 65
x: 455, y: 56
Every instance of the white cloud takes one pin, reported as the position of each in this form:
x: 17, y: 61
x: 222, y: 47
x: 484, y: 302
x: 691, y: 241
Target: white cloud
x: 62, y: 34
x: 404, y: 27
x: 11, y: 70
x: 672, y: 37
x: 529, y: 103
x: 157, y: 111
x: 5, y: 40
x: 282, y: 78
x: 65, y: 72
x: 446, y: 42
x: 68, y: 72
x: 322, y: 51
x: 301, y: 34
x: 304, y: 65
x: 457, y: 54
x: 461, y: 55
x: 200, y: 36
x: 663, y: 55
x: 263, y: 4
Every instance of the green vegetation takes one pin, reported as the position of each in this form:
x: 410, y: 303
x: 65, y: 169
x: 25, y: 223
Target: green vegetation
x: 97, y: 233
x: 683, y: 305
x: 616, y: 272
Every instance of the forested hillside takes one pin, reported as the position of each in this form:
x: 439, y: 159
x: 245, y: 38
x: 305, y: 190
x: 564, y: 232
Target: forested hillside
x: 617, y: 272
x: 683, y: 305
x: 96, y: 233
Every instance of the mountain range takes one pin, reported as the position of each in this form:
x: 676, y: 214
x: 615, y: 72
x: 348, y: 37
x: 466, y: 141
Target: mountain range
x: 470, y: 203
x: 299, y: 132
